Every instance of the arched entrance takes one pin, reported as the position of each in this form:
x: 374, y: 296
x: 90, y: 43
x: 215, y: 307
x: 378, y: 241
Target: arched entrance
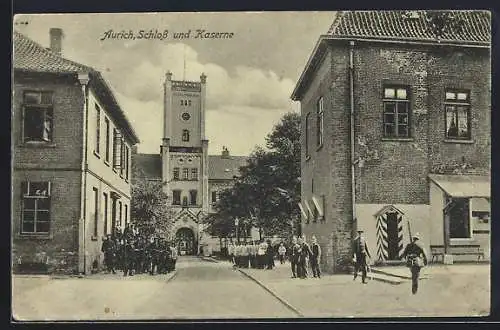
x: 185, y: 240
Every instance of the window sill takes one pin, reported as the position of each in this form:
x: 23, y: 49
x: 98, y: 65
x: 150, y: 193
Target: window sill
x: 318, y: 148
x: 34, y: 236
x: 398, y: 139
x: 38, y: 145
x: 106, y: 162
x: 461, y: 240
x: 97, y: 154
x: 459, y: 141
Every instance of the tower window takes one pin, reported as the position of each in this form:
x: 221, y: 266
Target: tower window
x: 176, y: 197
x: 194, y: 173
x: 185, y: 174
x: 176, y: 173
x: 193, y: 194
x: 185, y: 135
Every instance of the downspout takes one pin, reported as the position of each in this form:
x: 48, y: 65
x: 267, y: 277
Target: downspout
x: 352, y: 135
x: 83, y: 78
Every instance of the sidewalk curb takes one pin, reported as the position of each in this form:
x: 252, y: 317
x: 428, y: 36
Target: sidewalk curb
x: 283, y: 301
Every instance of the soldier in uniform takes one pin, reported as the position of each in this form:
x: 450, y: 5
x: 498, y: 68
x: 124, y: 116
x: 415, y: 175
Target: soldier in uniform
x: 269, y: 255
x: 294, y: 256
x: 155, y: 253
x: 230, y: 252
x: 416, y: 259
x: 361, y: 252
x: 315, y: 257
x: 128, y: 258
x: 109, y: 250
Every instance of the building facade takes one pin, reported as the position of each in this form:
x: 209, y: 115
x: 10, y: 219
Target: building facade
x: 396, y: 134
x: 191, y: 178
x: 71, y: 145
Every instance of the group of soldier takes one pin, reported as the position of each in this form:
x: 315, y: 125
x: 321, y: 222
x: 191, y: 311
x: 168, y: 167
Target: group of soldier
x: 135, y: 252
x: 261, y: 255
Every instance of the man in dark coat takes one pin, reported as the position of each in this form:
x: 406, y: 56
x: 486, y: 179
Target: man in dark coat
x: 294, y: 256
x: 155, y: 255
x: 361, y: 252
x: 304, y: 255
x: 270, y: 255
x: 129, y: 258
x: 109, y: 250
x: 416, y: 259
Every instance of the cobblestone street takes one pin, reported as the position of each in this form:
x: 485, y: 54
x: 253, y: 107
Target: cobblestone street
x: 204, y: 289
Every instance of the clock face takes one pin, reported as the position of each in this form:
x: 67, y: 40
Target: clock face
x: 186, y: 116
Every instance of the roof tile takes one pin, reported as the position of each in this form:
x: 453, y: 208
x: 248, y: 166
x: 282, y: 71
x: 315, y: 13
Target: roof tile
x: 475, y: 26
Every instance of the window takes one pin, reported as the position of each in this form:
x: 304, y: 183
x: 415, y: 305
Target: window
x: 97, y: 128
x: 396, y: 112
x: 106, y: 122
x: 193, y: 194
x: 35, y: 216
x: 117, y: 147
x: 185, y: 174
x: 105, y: 200
x: 96, y: 211
x: 176, y: 173
x: 194, y: 174
x: 38, y: 117
x: 127, y: 161
x: 120, y: 214
x: 185, y: 135
x: 459, y: 218
x: 319, y: 122
x: 307, y: 135
x: 176, y: 197
x: 122, y: 157
x: 126, y: 214
x: 457, y: 115
x: 214, y: 197
x: 184, y: 201
x: 186, y: 102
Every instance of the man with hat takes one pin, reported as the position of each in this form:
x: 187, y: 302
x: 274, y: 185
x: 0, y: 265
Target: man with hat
x: 360, y: 249
x: 416, y: 259
x: 315, y: 257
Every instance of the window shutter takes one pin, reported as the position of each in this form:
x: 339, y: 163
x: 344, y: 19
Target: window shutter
x: 117, y: 140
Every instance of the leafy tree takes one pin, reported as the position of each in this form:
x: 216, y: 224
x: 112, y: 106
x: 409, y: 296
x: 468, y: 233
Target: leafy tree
x: 266, y: 193
x: 149, y: 205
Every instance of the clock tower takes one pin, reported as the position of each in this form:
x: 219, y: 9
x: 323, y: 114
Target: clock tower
x: 184, y: 156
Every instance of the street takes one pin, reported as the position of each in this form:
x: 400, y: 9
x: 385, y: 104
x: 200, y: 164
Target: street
x: 214, y: 290
x: 200, y: 289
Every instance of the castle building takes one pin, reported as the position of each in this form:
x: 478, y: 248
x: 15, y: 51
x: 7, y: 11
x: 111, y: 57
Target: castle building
x: 395, y: 110
x: 71, y: 150
x: 191, y: 178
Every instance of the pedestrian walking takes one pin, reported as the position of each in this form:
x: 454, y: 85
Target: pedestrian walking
x: 230, y: 251
x: 361, y: 253
x: 173, y: 253
x: 269, y: 255
x: 416, y: 259
x: 282, y: 253
x: 261, y: 255
x: 315, y: 257
x: 252, y: 255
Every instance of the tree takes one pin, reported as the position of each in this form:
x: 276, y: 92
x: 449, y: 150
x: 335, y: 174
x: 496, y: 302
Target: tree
x: 267, y: 192
x: 149, y: 205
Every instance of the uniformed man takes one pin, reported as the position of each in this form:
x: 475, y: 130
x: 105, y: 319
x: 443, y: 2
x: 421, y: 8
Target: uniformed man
x: 230, y: 252
x: 155, y: 256
x: 294, y: 256
x: 315, y: 257
x: 416, y: 259
x: 129, y: 258
x: 109, y: 250
x: 269, y: 255
x: 361, y: 252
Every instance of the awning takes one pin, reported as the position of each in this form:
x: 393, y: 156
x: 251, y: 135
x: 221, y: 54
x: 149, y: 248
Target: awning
x: 318, y: 206
x: 304, y: 214
x: 464, y: 186
x: 308, y: 209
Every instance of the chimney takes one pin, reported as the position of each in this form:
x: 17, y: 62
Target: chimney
x: 225, y: 152
x: 56, y: 36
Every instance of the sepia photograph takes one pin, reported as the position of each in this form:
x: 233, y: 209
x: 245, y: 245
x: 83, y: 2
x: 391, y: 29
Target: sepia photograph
x: 226, y: 166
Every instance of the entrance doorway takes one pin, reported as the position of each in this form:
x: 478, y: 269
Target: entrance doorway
x: 185, y: 241
x: 392, y: 236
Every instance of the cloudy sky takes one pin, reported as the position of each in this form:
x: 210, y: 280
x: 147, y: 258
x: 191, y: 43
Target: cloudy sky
x: 250, y: 76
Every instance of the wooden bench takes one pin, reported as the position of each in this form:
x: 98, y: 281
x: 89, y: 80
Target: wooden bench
x: 472, y: 249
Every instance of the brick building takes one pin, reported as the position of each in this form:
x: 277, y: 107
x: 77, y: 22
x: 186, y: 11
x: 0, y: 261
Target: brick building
x: 192, y: 178
x: 71, y: 160
x: 398, y: 112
